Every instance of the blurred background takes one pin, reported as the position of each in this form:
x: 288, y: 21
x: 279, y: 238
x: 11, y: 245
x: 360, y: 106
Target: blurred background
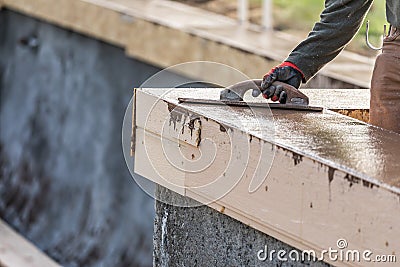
x: 64, y: 184
x: 298, y: 17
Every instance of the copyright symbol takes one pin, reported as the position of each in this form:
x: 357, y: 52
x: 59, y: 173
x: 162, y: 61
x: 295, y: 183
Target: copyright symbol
x: 341, y: 243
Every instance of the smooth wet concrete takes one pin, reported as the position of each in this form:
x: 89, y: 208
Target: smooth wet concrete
x: 362, y: 150
x: 202, y: 236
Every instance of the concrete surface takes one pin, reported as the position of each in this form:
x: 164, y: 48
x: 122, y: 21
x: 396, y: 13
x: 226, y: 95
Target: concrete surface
x: 342, y: 143
x: 202, y: 236
x: 308, y: 179
x: 63, y: 180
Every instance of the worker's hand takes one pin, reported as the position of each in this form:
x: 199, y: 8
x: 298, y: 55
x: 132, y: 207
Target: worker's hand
x: 286, y: 72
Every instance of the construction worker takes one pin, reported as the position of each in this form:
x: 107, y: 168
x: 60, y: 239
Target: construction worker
x: 340, y: 21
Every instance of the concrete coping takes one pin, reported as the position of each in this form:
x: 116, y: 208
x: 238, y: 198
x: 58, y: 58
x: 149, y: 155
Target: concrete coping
x: 305, y: 178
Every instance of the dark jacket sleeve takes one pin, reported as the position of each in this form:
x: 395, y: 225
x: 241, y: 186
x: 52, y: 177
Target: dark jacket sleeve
x: 340, y: 21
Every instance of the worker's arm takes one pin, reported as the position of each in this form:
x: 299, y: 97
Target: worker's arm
x: 340, y: 21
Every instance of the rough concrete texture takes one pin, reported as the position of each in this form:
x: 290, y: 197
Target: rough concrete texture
x: 63, y: 180
x: 202, y: 236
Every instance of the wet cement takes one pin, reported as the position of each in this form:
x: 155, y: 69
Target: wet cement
x: 361, y: 150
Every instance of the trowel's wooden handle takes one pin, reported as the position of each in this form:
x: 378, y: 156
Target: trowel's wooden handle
x: 237, y: 91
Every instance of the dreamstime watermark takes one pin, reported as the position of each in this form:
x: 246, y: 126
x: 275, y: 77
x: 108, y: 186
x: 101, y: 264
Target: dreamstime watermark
x: 340, y: 253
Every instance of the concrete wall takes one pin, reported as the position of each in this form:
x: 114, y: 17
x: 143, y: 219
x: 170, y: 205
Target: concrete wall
x: 63, y: 180
x: 202, y: 236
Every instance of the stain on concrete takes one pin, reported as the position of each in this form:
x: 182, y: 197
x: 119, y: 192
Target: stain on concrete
x: 198, y: 138
x: 352, y: 179
x: 369, y: 184
x: 170, y: 106
x: 331, y: 174
x: 176, y: 115
x: 191, y: 124
x: 222, y: 128
x: 297, y: 158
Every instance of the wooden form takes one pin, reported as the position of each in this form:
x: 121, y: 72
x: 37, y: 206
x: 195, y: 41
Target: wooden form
x: 306, y: 178
x: 354, y: 103
x: 16, y: 251
x: 165, y: 33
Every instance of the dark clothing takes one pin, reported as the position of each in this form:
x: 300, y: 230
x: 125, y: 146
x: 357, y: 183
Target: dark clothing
x: 385, y: 85
x: 393, y: 12
x: 340, y: 21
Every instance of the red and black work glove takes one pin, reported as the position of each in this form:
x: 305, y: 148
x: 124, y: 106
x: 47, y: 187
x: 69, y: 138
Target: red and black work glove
x: 286, y: 72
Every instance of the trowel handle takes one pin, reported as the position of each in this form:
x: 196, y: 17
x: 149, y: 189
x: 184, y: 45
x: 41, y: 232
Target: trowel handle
x: 237, y: 91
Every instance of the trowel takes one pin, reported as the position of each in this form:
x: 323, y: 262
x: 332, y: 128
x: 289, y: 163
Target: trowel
x: 233, y: 96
